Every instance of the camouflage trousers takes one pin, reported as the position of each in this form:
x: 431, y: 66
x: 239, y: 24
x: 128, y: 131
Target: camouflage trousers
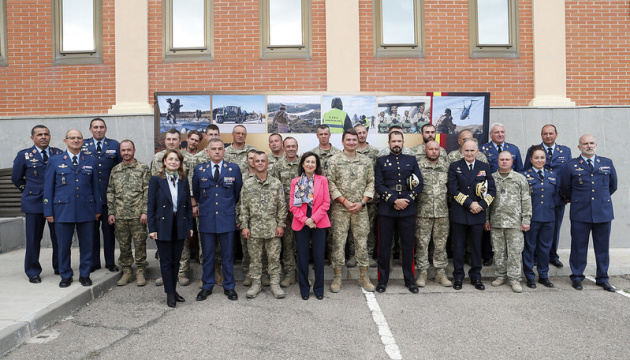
x: 371, y: 240
x: 507, y: 245
x: 342, y: 222
x: 128, y: 231
x: 257, y: 247
x: 425, y: 229
x: 288, y: 247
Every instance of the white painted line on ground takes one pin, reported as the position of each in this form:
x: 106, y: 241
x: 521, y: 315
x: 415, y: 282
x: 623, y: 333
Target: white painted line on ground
x: 387, y: 338
x: 622, y: 293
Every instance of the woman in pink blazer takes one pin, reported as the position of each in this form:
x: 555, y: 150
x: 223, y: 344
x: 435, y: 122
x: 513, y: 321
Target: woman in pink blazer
x: 309, y: 203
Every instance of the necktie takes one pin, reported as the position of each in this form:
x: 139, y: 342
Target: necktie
x: 45, y: 156
x: 550, y: 151
x: 590, y: 163
x: 499, y: 147
x: 74, y: 160
x: 470, y: 167
x: 98, y: 147
x: 540, y: 174
x: 216, y: 173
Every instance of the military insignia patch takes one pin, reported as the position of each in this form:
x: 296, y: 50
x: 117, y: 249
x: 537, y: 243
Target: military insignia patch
x: 482, y: 173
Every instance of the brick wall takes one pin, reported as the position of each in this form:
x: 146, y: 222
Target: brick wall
x: 237, y: 65
x: 447, y: 65
x: 598, y: 49
x: 32, y: 85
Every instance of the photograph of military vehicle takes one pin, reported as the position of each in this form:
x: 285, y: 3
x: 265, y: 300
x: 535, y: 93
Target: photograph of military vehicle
x: 229, y: 113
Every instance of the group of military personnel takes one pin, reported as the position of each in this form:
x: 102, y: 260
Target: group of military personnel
x: 410, y: 123
x: 477, y: 195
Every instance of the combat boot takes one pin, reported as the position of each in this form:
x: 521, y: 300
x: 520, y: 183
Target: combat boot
x: 159, y: 281
x: 498, y: 281
x: 184, y: 280
x: 364, y: 279
x: 247, y: 281
x: 265, y: 280
x: 218, y: 274
x: 441, y: 278
x: 125, y: 278
x: 277, y: 291
x: 254, y: 290
x: 289, y: 278
x: 352, y: 262
x: 140, y: 279
x: 422, y: 279
x: 516, y: 286
x: 335, y: 286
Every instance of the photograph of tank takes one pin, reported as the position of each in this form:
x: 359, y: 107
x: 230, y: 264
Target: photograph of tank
x: 183, y: 112
x: 408, y: 112
x: 454, y: 112
x: 343, y: 112
x: 230, y: 110
x: 293, y: 113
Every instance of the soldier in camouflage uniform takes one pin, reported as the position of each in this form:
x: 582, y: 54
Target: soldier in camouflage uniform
x: 325, y: 149
x: 285, y: 170
x: 194, y: 138
x: 127, y: 193
x: 510, y: 214
x: 432, y: 215
x: 237, y: 152
x: 428, y: 134
x: 172, y: 141
x: 351, y: 184
x: 250, y: 173
x: 364, y: 148
x: 457, y: 155
x: 277, y: 150
x: 262, y: 218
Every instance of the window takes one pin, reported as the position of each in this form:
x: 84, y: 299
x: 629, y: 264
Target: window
x: 77, y: 32
x: 493, y: 28
x: 188, y: 30
x: 398, y: 28
x: 285, y: 29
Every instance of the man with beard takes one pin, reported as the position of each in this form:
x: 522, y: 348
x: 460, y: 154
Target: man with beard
x: 364, y: 148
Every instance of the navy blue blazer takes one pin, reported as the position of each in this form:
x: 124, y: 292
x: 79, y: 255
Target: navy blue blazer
x: 544, y: 193
x: 217, y: 199
x: 28, y: 176
x: 108, y: 158
x: 492, y: 154
x: 462, y: 186
x: 392, y: 170
x: 561, y: 156
x: 589, y: 190
x: 71, y: 193
x: 160, y: 209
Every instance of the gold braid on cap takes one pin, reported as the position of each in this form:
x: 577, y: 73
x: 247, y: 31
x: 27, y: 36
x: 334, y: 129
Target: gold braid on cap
x: 461, y: 198
x: 488, y: 199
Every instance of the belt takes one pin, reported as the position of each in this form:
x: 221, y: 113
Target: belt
x: 397, y: 187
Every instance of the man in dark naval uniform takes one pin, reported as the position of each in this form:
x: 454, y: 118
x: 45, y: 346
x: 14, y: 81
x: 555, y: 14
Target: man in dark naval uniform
x: 471, y: 184
x: 398, y: 181
x: 29, y: 167
x: 588, y: 181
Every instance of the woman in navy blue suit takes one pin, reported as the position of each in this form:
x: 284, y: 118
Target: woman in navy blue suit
x: 170, y: 225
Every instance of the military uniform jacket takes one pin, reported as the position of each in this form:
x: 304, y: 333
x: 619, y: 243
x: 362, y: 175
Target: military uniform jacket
x: 128, y: 190
x: 352, y: 178
x: 160, y: 209
x: 457, y: 155
x: 493, y: 156
x: 589, y: 190
x: 561, y: 156
x: 324, y: 156
x: 263, y: 207
x: 238, y: 156
x: 272, y: 159
x: 463, y: 186
x: 106, y: 160
x: 217, y: 200
x: 371, y: 152
x: 433, y: 200
x: 420, y: 153
x: 71, y: 194
x: 391, y: 177
x: 544, y: 194
x: 285, y: 170
x: 512, y: 207
x: 28, y: 176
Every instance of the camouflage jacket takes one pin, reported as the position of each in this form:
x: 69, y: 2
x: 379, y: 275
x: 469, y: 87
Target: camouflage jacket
x: 262, y: 207
x: 201, y: 157
x: 419, y: 152
x: 273, y: 159
x: 238, y: 156
x: 457, y: 155
x: 371, y: 152
x: 433, y: 200
x: 324, y: 156
x: 128, y: 189
x: 352, y: 178
x: 285, y: 170
x: 386, y: 151
x: 512, y: 205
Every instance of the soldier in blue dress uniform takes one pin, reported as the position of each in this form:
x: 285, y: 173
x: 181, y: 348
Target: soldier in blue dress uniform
x: 106, y: 152
x: 588, y: 181
x: 28, y: 172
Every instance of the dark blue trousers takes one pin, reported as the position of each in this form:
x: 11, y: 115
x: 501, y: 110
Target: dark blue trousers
x: 208, y: 246
x: 304, y: 238
x: 406, y: 226
x: 538, y: 241
x: 65, y: 231
x: 580, y: 233
x: 559, y: 212
x: 459, y: 232
x: 109, y: 240
x: 35, y: 223
x: 170, y: 254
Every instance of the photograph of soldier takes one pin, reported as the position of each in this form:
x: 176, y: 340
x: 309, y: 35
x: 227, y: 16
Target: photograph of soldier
x: 455, y: 112
x: 301, y: 113
x: 183, y: 112
x: 408, y: 112
x: 341, y: 113
x: 229, y: 110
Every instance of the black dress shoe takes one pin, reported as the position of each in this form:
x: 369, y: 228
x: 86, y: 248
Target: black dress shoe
x: 577, y: 285
x: 203, y: 294
x: 457, y: 284
x: 478, y: 284
x: 545, y: 282
x: 85, y: 281
x: 34, y: 279
x: 179, y: 298
x: 112, y: 268
x: 413, y: 288
x: 94, y: 268
x: 64, y: 283
x: 380, y: 288
x: 304, y: 297
x: 56, y: 271
x: 531, y: 283
x: 487, y: 262
x: 231, y: 294
x: 170, y: 300
x: 319, y: 297
x: 606, y: 286
x: 556, y: 263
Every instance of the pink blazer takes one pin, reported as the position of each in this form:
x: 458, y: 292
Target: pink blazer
x: 321, y: 204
